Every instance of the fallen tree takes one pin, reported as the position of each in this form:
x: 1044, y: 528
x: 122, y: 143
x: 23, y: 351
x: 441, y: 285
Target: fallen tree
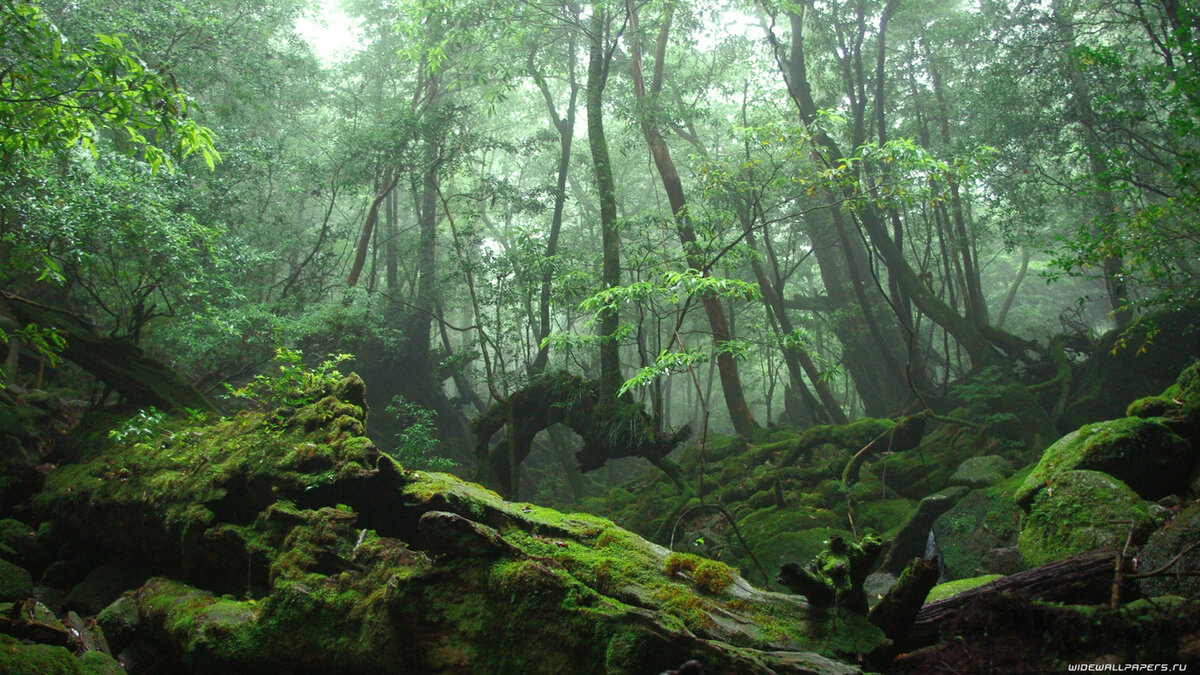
x: 1082, y: 578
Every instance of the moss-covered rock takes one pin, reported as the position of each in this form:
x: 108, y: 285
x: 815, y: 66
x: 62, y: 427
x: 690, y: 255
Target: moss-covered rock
x: 1142, y: 453
x: 1163, y: 546
x: 1081, y: 511
x: 17, y: 658
x: 981, y: 522
x: 15, y: 582
x: 981, y: 472
x: 285, y: 541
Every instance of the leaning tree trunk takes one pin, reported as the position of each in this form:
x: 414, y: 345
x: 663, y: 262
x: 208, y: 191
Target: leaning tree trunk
x: 117, y: 362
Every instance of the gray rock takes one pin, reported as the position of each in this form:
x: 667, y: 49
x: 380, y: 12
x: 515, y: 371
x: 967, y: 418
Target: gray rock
x: 980, y: 472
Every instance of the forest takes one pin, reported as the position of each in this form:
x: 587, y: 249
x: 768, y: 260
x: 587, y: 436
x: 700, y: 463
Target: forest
x: 613, y: 336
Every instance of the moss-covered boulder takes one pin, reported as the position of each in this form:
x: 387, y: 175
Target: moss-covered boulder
x: 1081, y: 511
x: 983, y: 521
x: 981, y: 472
x: 1142, y: 453
x: 989, y: 414
x: 1163, y: 546
x: 18, y: 658
x: 15, y: 582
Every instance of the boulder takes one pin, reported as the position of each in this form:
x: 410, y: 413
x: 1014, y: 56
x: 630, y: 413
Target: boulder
x: 1142, y: 453
x: 982, y: 471
x: 15, y: 582
x: 1163, y: 546
x: 982, y: 521
x: 1081, y: 511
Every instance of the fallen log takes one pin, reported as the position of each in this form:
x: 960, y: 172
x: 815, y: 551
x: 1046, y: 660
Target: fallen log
x: 1082, y: 579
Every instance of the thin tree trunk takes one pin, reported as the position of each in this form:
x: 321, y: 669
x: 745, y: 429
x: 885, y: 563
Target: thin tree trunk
x: 598, y: 62
x: 390, y: 178
x: 731, y: 385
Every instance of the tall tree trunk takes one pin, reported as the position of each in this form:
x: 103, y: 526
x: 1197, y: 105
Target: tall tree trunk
x: 731, y: 385
x: 565, y: 126
x: 598, y: 62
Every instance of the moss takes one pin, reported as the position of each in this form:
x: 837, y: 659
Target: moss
x: 15, y: 582
x: 712, y: 576
x: 1081, y: 511
x: 1151, y: 406
x: 1143, y: 453
x: 23, y: 659
x: 952, y: 588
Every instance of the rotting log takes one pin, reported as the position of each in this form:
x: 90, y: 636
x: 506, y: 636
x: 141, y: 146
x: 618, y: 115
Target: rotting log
x: 116, y: 361
x: 1086, y: 577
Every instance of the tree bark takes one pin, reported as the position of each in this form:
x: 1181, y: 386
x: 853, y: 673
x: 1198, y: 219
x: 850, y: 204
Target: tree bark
x: 388, y: 183
x: 727, y: 367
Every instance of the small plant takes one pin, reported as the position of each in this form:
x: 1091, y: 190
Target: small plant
x: 295, y: 384
x: 145, y: 423
x: 416, y: 444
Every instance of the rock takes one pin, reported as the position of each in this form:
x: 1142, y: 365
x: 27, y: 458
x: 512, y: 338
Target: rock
x: 31, y: 620
x: 19, y: 658
x: 19, y: 544
x: 910, y: 541
x: 1072, y: 515
x: 1142, y: 453
x: 105, y: 584
x: 119, y: 621
x: 1163, y: 546
x: 87, y: 635
x: 15, y: 582
x: 451, y: 534
x: 982, y: 521
x: 980, y: 472
x: 1005, y: 561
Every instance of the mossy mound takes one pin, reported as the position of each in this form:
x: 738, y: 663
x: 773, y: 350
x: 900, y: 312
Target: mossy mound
x: 286, y: 542
x: 1142, y: 453
x: 982, y: 521
x: 1081, y: 511
x: 988, y: 414
x: 18, y: 658
x: 15, y: 582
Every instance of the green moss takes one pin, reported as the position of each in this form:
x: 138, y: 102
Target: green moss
x: 24, y: 659
x: 1081, y: 511
x: 15, y: 582
x: 712, y: 576
x: 952, y: 588
x: 1143, y: 453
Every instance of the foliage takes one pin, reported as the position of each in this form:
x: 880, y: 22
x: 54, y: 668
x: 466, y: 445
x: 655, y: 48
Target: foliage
x: 54, y: 95
x: 143, y: 425
x: 416, y: 444
x: 295, y: 384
